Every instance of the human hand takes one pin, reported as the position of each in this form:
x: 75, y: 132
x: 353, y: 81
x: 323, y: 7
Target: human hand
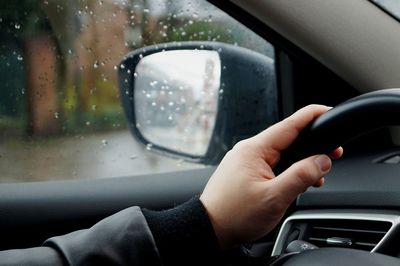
x: 244, y: 199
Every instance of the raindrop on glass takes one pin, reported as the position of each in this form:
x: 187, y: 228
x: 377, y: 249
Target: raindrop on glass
x: 56, y: 115
x: 104, y: 142
x: 180, y: 162
x: 149, y: 146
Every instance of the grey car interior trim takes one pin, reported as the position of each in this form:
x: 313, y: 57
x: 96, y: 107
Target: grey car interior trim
x: 369, y: 215
x: 364, y: 55
x: 34, y: 203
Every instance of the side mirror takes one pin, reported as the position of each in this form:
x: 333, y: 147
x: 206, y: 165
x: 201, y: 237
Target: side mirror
x: 195, y: 100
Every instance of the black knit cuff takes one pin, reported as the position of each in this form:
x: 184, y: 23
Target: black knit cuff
x: 184, y: 235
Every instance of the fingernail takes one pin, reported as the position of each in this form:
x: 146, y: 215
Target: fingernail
x: 323, y: 162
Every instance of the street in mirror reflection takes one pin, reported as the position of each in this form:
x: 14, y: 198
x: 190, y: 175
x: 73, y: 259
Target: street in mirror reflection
x: 176, y: 104
x: 60, y: 110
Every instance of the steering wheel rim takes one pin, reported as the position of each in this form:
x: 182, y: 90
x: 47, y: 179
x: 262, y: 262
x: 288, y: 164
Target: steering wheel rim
x: 344, y: 122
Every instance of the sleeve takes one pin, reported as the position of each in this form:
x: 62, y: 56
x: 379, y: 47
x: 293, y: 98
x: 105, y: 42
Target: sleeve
x: 184, y: 235
x: 180, y: 236
x: 121, y: 239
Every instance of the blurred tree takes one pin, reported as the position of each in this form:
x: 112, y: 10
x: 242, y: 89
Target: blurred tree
x: 24, y: 22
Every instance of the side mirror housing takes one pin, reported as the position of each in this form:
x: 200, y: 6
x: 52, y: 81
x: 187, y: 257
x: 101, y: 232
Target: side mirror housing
x: 195, y: 100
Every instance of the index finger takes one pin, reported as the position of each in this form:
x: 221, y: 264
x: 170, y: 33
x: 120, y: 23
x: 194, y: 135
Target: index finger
x: 280, y: 136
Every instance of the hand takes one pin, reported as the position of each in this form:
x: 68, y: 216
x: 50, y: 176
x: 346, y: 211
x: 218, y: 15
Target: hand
x: 244, y: 199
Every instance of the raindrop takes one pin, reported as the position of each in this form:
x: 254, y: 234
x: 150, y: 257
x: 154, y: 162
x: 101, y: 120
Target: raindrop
x: 56, y: 115
x: 17, y: 26
x: 153, y: 104
x: 221, y: 91
x: 171, y: 104
x: 183, y: 33
x: 115, y: 67
x: 104, y: 142
x: 96, y: 64
x: 69, y: 51
x: 190, y: 22
x: 87, y: 123
x: 94, y: 107
x: 133, y: 157
x: 149, y: 146
x: 146, y: 10
x: 20, y: 58
x: 180, y: 162
x: 122, y: 66
x: 170, y: 118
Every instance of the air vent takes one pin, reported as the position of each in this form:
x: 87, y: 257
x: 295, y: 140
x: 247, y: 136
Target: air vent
x: 357, y: 234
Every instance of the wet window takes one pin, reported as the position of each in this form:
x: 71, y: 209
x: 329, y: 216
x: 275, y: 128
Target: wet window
x: 390, y: 6
x: 60, y: 110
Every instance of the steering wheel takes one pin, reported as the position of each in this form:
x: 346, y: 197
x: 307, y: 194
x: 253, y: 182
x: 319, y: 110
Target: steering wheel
x: 334, y: 128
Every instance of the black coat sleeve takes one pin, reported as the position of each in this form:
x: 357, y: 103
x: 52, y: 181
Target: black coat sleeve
x: 180, y: 236
x: 121, y: 239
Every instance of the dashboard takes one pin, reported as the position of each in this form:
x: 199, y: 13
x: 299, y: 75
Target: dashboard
x: 358, y: 207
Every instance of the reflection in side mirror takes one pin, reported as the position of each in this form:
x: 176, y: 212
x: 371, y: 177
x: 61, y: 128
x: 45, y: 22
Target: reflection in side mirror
x: 176, y: 105
x: 195, y: 100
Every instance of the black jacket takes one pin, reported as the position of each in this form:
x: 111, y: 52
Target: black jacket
x: 179, y: 236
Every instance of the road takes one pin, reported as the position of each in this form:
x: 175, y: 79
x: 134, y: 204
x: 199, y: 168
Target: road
x: 104, y: 155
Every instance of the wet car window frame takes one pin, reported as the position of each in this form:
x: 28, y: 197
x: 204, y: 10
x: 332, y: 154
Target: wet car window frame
x: 60, y: 112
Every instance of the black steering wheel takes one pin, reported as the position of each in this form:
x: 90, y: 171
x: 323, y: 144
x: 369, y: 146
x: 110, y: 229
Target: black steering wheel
x: 331, y: 130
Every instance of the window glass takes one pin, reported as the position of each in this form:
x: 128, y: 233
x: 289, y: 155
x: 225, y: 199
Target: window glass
x: 60, y: 111
x: 391, y: 6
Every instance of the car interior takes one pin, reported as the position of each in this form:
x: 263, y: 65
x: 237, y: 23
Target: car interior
x: 344, y: 54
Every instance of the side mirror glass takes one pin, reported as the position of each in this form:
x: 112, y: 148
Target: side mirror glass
x: 176, y: 99
x: 195, y: 100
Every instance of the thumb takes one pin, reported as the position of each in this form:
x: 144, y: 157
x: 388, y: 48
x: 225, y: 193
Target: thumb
x: 301, y: 175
